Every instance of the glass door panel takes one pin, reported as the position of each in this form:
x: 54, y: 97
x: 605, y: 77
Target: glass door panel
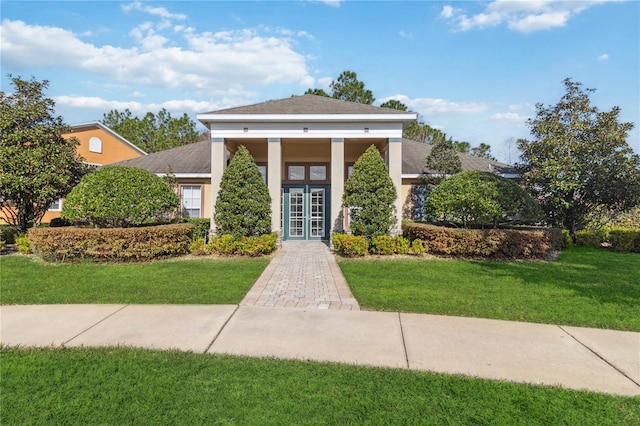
x: 296, y: 213
x: 317, y: 213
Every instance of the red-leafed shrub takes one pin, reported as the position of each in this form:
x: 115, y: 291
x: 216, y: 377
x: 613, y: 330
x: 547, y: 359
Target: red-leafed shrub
x: 490, y: 244
x: 111, y: 244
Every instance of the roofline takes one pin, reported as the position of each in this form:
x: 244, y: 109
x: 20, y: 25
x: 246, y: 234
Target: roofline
x: 419, y: 175
x: 108, y: 130
x: 226, y: 118
x: 188, y: 175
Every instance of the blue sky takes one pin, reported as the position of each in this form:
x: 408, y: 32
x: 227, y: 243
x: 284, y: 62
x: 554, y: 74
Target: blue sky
x: 475, y: 70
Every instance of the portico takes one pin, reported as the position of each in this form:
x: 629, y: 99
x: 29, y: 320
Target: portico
x: 305, y: 147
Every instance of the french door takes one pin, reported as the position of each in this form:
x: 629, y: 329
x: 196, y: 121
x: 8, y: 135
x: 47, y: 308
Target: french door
x: 306, y: 212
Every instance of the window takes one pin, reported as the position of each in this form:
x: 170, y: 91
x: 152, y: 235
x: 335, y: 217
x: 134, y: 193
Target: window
x: 191, y: 200
x: 263, y: 171
x: 419, y: 197
x: 56, y: 206
x: 296, y: 173
x: 95, y: 145
x: 318, y: 172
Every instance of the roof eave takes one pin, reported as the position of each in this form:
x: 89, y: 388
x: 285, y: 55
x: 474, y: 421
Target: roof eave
x: 282, y: 118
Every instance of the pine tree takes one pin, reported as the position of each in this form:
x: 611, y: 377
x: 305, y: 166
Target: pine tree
x: 243, y: 206
x: 370, y: 194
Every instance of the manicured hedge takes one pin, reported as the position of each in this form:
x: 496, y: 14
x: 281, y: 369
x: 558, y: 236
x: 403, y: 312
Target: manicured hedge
x: 227, y: 245
x: 357, y: 245
x: 625, y: 240
x: 490, y: 244
x: 111, y: 244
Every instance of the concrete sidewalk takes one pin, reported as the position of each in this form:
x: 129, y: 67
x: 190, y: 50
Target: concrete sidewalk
x: 572, y: 357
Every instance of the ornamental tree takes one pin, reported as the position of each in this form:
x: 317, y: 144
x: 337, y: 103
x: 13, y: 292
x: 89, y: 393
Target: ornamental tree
x: 243, y: 205
x: 37, y: 165
x: 120, y: 197
x: 474, y: 198
x: 578, y: 160
x: 370, y: 194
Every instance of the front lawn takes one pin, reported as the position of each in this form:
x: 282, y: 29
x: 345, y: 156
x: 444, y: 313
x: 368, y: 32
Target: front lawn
x: 132, y: 386
x: 584, y: 287
x: 26, y: 280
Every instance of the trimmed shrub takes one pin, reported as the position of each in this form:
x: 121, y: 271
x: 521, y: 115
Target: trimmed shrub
x: 113, y: 244
x: 625, y: 240
x: 58, y: 222
x: 243, y: 205
x: 370, y: 194
x: 247, y: 246
x: 473, y: 199
x: 197, y: 246
x: 8, y: 233
x: 22, y: 243
x: 490, y: 244
x: 120, y: 197
x: 350, y: 245
x: 417, y: 247
x: 567, y: 240
x: 201, y: 227
x: 591, y: 238
x: 401, y: 245
x: 383, y: 244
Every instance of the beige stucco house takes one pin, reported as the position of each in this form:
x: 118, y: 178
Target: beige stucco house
x: 305, y: 147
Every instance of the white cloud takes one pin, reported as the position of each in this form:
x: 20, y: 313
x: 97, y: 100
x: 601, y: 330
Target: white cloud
x: 434, y: 106
x: 525, y: 16
x: 603, y: 57
x: 156, y: 11
x: 332, y: 3
x: 229, y: 59
x: 405, y: 34
x: 100, y: 104
x: 507, y: 116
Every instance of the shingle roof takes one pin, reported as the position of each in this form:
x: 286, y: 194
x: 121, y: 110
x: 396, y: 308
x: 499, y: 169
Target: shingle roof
x: 196, y: 159
x: 192, y: 158
x: 415, y: 153
x: 308, y: 104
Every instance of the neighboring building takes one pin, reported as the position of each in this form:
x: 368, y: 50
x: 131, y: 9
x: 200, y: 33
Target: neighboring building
x: 305, y: 147
x: 99, y: 146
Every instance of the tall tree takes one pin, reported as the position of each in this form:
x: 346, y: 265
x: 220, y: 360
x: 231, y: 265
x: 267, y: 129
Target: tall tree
x: 482, y: 151
x: 370, y: 194
x: 346, y: 87
x: 578, y: 159
x: 37, y: 165
x: 394, y: 104
x: 153, y: 132
x: 444, y: 160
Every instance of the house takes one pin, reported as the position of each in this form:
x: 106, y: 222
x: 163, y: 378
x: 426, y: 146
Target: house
x: 305, y: 147
x: 99, y: 146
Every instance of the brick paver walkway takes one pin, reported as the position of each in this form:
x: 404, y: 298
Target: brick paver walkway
x: 302, y: 274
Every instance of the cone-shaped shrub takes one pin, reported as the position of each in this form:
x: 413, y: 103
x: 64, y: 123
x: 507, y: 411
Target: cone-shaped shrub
x: 370, y: 194
x: 120, y: 197
x: 243, y: 206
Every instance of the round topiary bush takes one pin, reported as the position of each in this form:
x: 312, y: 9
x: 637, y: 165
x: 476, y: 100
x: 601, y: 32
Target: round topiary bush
x: 120, y: 197
x: 471, y: 199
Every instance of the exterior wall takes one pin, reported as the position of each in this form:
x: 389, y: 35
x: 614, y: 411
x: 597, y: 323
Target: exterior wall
x: 406, y: 197
x: 113, y: 148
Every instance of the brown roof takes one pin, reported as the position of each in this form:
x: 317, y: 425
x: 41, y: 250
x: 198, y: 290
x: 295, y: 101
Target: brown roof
x: 192, y: 158
x: 196, y: 158
x: 308, y: 104
x: 415, y: 153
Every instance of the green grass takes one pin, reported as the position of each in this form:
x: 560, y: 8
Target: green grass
x: 134, y: 386
x: 584, y: 287
x: 25, y: 280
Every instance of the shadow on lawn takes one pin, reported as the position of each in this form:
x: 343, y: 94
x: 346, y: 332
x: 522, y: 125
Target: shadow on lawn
x: 597, y: 274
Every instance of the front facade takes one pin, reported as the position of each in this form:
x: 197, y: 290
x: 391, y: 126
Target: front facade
x: 305, y: 147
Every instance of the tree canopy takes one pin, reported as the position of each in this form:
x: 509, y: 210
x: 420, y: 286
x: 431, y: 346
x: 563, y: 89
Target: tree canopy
x: 476, y: 198
x: 243, y: 206
x: 120, y: 197
x: 346, y: 87
x: 444, y: 160
x: 37, y: 165
x: 369, y: 193
x: 578, y: 159
x: 153, y: 132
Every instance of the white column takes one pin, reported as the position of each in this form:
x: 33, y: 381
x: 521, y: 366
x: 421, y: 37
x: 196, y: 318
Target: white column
x: 218, y: 164
x: 274, y: 181
x: 394, y: 155
x: 337, y: 184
